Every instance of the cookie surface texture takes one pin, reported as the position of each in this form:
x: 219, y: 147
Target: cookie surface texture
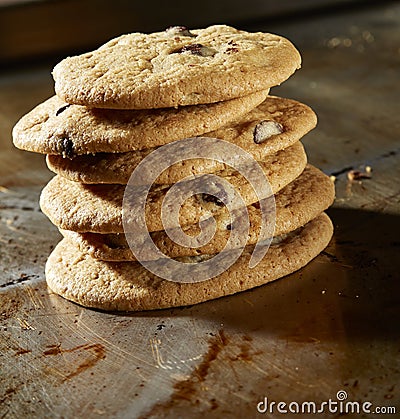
x: 296, y: 204
x: 127, y: 286
x: 98, y: 208
x: 295, y: 118
x: 175, y: 67
x: 55, y: 127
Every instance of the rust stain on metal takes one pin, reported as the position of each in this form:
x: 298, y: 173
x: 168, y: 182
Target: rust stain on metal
x: 187, y: 389
x: 9, y: 307
x: 8, y: 393
x: 21, y: 351
x: 216, y: 344
x: 245, y: 353
x: 53, y: 350
x: 97, y: 349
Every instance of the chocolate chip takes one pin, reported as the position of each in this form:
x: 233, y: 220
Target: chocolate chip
x: 212, y: 198
x: 180, y: 31
x: 232, y: 47
x: 196, y: 49
x: 67, y: 148
x: 266, y: 129
x: 217, y: 195
x: 62, y: 109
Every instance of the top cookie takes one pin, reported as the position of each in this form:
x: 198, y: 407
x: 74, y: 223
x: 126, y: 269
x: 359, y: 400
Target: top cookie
x: 176, y: 67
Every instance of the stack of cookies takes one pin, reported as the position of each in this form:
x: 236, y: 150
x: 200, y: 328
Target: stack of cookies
x: 114, y: 106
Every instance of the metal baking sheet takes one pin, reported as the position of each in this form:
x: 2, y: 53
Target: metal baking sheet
x: 328, y: 331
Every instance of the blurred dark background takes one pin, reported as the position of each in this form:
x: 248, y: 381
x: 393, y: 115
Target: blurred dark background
x: 35, y: 29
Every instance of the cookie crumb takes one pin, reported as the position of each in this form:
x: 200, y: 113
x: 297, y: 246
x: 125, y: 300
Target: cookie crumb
x: 359, y: 175
x: 4, y: 189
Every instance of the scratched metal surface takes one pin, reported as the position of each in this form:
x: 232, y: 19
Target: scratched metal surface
x: 332, y: 326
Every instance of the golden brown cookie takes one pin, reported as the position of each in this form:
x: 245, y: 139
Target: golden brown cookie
x: 54, y: 127
x: 293, y: 121
x: 296, y: 204
x: 176, y: 67
x: 98, y: 208
x: 128, y: 286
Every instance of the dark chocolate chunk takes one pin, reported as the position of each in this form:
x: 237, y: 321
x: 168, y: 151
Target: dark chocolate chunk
x: 196, y: 49
x: 232, y: 47
x: 211, y: 198
x: 67, y: 148
x: 62, y: 109
x: 217, y: 197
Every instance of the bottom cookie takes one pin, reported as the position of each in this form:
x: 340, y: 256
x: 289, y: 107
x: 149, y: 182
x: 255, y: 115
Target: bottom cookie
x: 127, y: 286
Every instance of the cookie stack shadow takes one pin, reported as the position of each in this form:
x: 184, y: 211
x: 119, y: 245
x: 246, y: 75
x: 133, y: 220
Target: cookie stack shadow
x: 112, y: 110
